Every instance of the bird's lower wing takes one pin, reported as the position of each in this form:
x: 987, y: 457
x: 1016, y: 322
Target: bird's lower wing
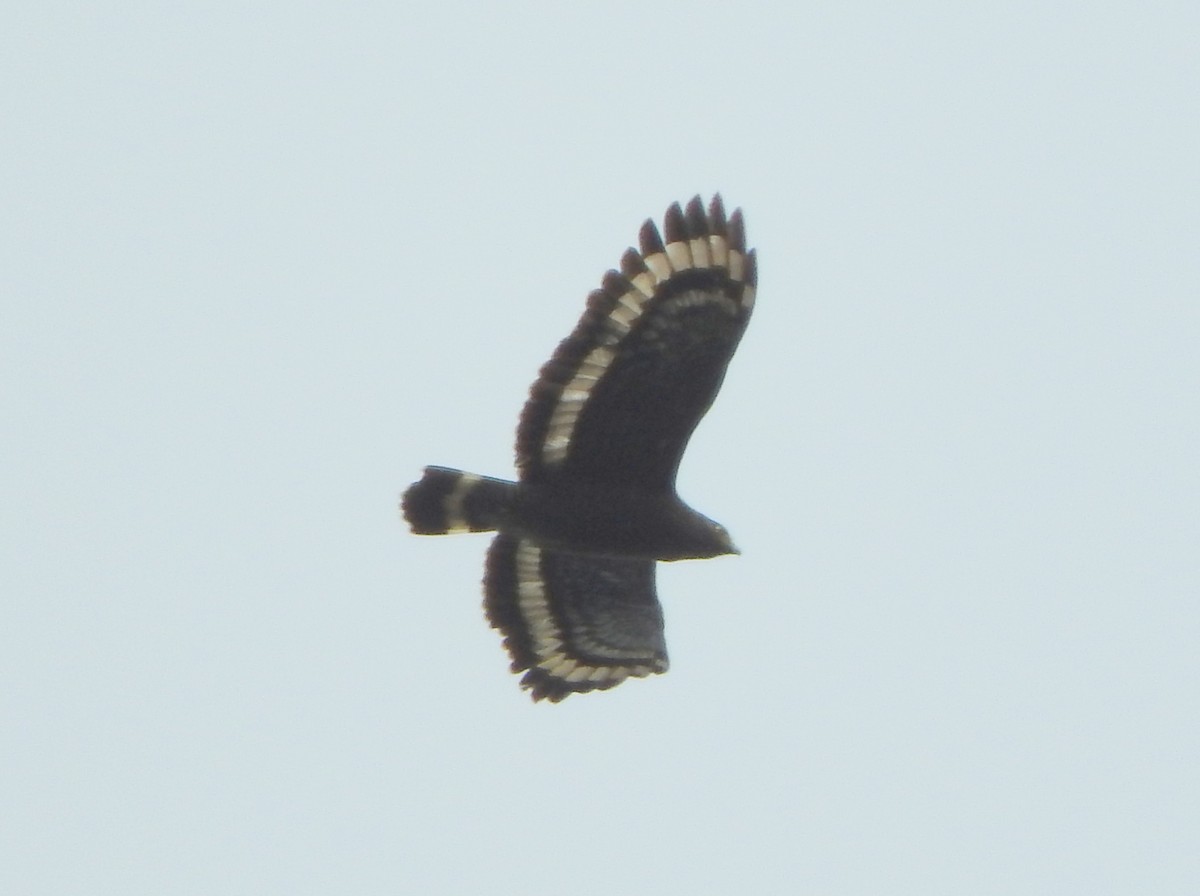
x: 573, y: 622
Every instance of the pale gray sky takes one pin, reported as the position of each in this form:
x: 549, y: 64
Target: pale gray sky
x: 260, y: 263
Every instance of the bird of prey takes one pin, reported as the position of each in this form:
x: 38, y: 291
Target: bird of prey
x: 569, y: 578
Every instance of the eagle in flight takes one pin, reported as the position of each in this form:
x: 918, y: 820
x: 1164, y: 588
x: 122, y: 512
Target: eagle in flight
x: 569, y: 578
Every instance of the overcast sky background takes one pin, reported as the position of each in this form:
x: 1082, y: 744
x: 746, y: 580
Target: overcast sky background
x: 260, y: 263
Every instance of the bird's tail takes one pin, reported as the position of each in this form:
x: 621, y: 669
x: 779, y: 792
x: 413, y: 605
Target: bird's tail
x: 445, y: 501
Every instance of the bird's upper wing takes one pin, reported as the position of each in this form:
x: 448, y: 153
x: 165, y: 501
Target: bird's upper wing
x: 622, y: 394
x: 571, y: 622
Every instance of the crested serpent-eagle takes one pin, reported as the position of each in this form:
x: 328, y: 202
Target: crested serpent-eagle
x: 569, y: 579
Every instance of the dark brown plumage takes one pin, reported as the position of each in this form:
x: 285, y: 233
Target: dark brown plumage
x: 570, y: 578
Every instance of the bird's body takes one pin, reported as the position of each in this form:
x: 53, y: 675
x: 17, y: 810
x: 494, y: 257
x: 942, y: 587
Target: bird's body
x: 621, y: 521
x: 570, y: 577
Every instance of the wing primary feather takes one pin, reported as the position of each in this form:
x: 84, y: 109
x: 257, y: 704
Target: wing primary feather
x: 718, y: 234
x: 599, y: 300
x: 633, y: 266
x: 632, y: 263
x: 615, y: 284
x: 649, y: 239
x: 716, y: 217
x: 674, y: 225
x: 737, y: 231
x: 698, y: 240
x: 697, y: 223
x: 679, y: 252
x: 737, y: 246
x: 655, y: 253
x: 751, y: 284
